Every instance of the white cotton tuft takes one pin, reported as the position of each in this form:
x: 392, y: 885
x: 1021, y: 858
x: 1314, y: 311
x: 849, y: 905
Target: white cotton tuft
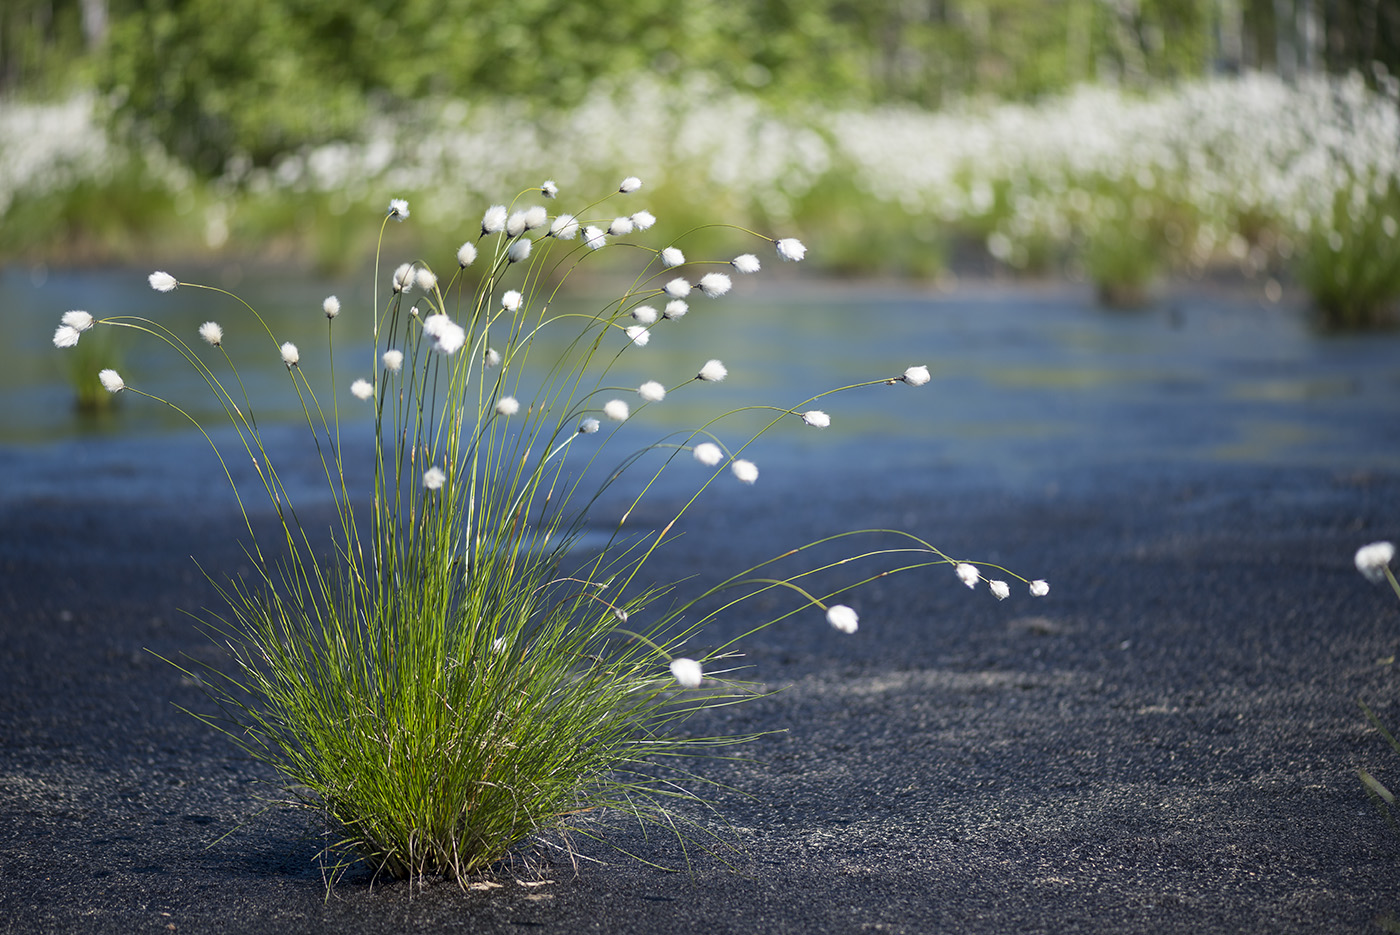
x: 290, y: 355
x: 448, y: 336
x: 790, y: 248
x: 111, y: 381
x: 403, y: 277
x: 713, y: 371
x: 549, y: 189
x: 644, y: 314
x: 617, y: 410
x: 362, y: 389
x: 630, y: 184
x: 515, y: 224
x: 511, y: 300
x: 746, y: 471
x: 672, y: 257
x: 519, y: 250
x: 1040, y: 587
x: 507, y: 406
x: 398, y: 209
x: 708, y: 453
x: 1000, y: 589
x: 78, y: 320
x: 425, y: 279
x: 393, y: 360
x: 466, y: 254
x: 747, y: 263
x: 494, y: 220
x: 916, y: 376
x: 639, y: 335
x: 676, y: 308
x: 714, y: 285
x: 536, y: 216
x: 588, y: 426
x: 842, y: 618
x: 434, y: 478
x: 594, y: 239
x: 1372, y: 560
x: 331, y: 306
x: 652, y: 391
x: 66, y: 336
x: 492, y: 358
x: 643, y: 220
x: 816, y: 418
x: 211, y: 332
x: 620, y: 227
x: 565, y: 227
x: 968, y: 574
x: 687, y: 672
x: 677, y: 288
x: 162, y: 282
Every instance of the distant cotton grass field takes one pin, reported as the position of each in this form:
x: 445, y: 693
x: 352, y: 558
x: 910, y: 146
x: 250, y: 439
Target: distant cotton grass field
x: 1298, y: 181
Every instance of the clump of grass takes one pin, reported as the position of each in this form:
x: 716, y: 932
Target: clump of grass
x: 466, y: 670
x: 1351, y: 266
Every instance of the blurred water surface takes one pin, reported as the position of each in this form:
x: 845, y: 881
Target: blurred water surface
x: 1031, y: 383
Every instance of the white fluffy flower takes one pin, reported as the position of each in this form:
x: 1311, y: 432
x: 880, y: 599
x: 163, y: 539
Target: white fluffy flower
x: 111, y: 381
x: 519, y: 250
x: 434, y: 478
x: 746, y: 263
x: 617, y: 410
x: 1372, y: 560
x: 638, y: 335
x: 393, y: 360
x: 65, y: 336
x: 652, y: 391
x: 515, y: 224
x: 630, y: 184
x: 644, y: 314
x: 790, y: 248
x: 968, y: 574
x: 676, y: 308
x: 290, y: 354
x: 211, y: 332
x: 565, y: 227
x: 425, y: 279
x: 816, y: 418
x: 448, y: 336
x: 916, y: 376
x: 1040, y: 587
x: 398, y: 209
x: 494, y: 220
x: 403, y: 277
x: 549, y: 189
x: 713, y: 371
x: 78, y: 320
x: 507, y: 406
x: 588, y: 426
x: 466, y: 254
x: 162, y: 282
x: 594, y: 239
x: 362, y: 389
x: 536, y: 216
x: 1000, y: 589
x: 842, y: 618
x: 678, y: 288
x: 746, y: 471
x: 643, y: 220
x: 671, y: 257
x: 331, y: 306
x: 620, y: 227
x: 492, y: 358
x: 511, y: 300
x: 708, y: 453
x: 687, y: 672
x: 714, y: 285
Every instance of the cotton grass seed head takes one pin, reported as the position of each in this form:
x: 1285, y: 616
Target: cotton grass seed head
x: 713, y: 371
x: 492, y: 358
x: 676, y: 308
x: 620, y: 227
x: 968, y: 574
x: 162, y: 282
x: 393, y: 360
x: 362, y: 389
x: 398, y: 209
x: 511, y: 300
x: 746, y: 471
x: 212, y: 333
x: 565, y: 227
x: 630, y: 184
x: 519, y: 251
x: 643, y: 220
x: 515, y: 224
x: 549, y: 189
x: 1040, y: 587
x: 639, y: 335
x: 842, y: 618
x: 111, y: 381
x: 589, y: 426
x: 425, y: 279
x: 331, y: 306
x: 594, y: 239
x: 645, y: 314
x: 672, y: 257
x: 652, y: 391
x: 1372, y: 560
x: 816, y: 418
x: 448, y: 336
x: 290, y: 355
x: 746, y: 263
x: 507, y: 406
x: 617, y: 410
x: 687, y: 672
x: 434, y: 478
x: 708, y: 453
x: 1000, y: 589
x: 678, y: 288
x: 66, y: 336
x: 403, y: 277
x: 715, y: 285
x: 494, y: 220
x: 916, y: 376
x: 790, y: 248
x: 78, y: 320
x: 466, y: 254
x: 536, y: 217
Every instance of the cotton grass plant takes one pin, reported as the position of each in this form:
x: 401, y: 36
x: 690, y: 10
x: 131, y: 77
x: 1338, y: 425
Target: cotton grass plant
x: 473, y: 658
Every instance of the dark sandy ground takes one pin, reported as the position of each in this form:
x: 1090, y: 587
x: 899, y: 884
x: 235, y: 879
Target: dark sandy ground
x: 1167, y: 743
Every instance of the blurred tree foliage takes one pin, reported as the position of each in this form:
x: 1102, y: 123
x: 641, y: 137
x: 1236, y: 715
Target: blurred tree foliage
x: 214, y: 78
